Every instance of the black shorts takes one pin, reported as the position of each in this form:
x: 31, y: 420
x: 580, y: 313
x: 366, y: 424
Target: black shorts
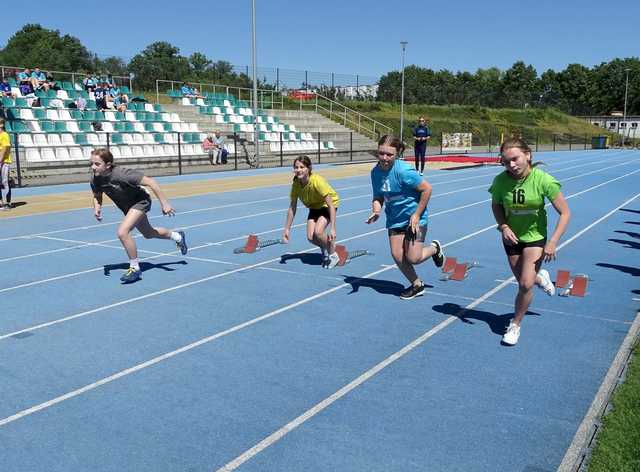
x: 408, y: 234
x: 142, y: 205
x: 516, y: 249
x: 314, y: 213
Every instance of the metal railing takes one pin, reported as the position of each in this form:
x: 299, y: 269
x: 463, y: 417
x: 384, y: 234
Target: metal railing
x: 348, y: 117
x: 267, y: 99
x: 182, y: 153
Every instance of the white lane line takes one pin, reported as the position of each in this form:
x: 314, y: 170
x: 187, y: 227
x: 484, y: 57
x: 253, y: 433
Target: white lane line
x: 198, y: 343
x: 188, y: 284
x: 226, y: 220
x: 322, y: 405
x: 311, y: 412
x: 231, y: 205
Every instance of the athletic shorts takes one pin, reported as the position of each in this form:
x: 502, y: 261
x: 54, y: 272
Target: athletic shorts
x: 408, y: 234
x: 516, y: 249
x: 142, y: 205
x: 315, y: 213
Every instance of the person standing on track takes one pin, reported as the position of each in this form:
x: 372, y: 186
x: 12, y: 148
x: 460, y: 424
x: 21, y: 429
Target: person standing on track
x: 322, y: 201
x: 518, y: 204
x: 421, y: 135
x: 5, y: 166
x: 123, y: 186
x: 405, y: 196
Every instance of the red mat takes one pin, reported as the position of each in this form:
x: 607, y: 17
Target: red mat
x: 464, y: 158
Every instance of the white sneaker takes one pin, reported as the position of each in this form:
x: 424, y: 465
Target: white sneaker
x: 333, y: 260
x: 544, y: 282
x: 512, y: 334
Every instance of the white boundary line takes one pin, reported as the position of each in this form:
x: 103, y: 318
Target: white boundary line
x: 287, y: 428
x: 85, y: 227
x: 322, y: 405
x: 214, y: 222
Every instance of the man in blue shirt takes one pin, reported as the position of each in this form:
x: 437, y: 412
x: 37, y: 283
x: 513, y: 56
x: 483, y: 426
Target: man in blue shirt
x: 39, y: 79
x: 421, y: 134
x: 405, y: 195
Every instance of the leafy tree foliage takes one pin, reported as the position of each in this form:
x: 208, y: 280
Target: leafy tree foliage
x: 34, y: 46
x: 577, y: 90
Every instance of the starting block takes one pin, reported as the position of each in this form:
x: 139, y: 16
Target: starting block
x: 567, y: 285
x: 453, y: 270
x: 346, y: 256
x: 253, y: 244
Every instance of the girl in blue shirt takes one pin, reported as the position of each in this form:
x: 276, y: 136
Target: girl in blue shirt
x: 405, y: 195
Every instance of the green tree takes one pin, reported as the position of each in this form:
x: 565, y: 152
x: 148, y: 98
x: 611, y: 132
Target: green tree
x: 112, y: 65
x: 35, y: 46
x: 520, y: 86
x: 158, y: 61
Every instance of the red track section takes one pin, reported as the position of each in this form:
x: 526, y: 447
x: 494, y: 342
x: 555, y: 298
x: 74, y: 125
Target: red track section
x: 465, y: 158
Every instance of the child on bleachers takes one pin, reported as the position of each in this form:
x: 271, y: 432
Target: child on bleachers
x: 39, y: 79
x: 89, y: 83
x: 100, y: 95
x: 5, y: 89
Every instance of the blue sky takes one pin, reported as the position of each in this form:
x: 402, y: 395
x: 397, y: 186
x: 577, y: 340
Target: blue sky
x: 354, y: 37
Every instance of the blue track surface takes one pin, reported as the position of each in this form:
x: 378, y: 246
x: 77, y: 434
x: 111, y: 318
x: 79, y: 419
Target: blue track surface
x: 212, y: 353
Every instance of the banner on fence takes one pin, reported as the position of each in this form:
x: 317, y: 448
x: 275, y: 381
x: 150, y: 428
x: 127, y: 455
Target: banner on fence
x: 456, y: 142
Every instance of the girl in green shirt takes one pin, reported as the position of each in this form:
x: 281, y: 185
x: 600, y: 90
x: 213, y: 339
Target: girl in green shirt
x: 518, y: 201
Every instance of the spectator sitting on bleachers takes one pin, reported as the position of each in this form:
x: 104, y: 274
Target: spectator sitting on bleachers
x: 5, y: 89
x: 117, y: 99
x: 26, y: 90
x: 189, y: 92
x: 24, y: 77
x: 51, y: 82
x: 40, y: 79
x: 100, y: 95
x: 81, y: 103
x: 89, y: 83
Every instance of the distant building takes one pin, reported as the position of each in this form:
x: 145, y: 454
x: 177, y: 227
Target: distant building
x: 361, y: 91
x: 629, y: 127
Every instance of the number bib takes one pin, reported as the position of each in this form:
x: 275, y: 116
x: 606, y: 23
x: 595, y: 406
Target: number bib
x: 523, y: 202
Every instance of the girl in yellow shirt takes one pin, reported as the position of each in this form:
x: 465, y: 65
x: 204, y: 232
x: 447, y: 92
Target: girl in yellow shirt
x: 322, y: 201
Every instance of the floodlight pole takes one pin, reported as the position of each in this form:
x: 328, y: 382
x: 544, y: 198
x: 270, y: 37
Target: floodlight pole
x: 404, y: 45
x: 626, y: 93
x: 256, y: 133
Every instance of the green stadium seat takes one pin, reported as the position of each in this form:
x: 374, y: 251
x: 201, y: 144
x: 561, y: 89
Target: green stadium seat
x: 148, y: 126
x: 22, y: 102
x: 120, y: 116
x: 68, y: 86
x: 91, y: 105
x: 80, y: 139
x: 158, y: 138
x: 52, y: 94
x: 7, y: 102
x: 119, y: 126
x: 89, y: 115
x: 12, y: 113
x: 39, y: 113
x: 99, y: 116
x: 125, y: 89
x: 12, y: 81
x: 47, y: 127
x: 76, y: 115
x: 116, y: 138
x: 60, y: 127
x: 85, y: 126
x: 157, y: 107
x: 128, y: 126
x: 40, y: 94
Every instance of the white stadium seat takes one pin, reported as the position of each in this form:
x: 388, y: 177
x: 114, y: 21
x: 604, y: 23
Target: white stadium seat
x: 33, y: 155
x: 62, y: 154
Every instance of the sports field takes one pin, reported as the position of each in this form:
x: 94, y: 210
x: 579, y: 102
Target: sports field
x: 266, y: 361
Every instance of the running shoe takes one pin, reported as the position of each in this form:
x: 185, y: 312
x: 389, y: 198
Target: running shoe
x: 412, y: 291
x: 182, y: 245
x: 438, y: 257
x: 510, y: 338
x: 131, y: 275
x: 544, y: 282
x: 333, y: 260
